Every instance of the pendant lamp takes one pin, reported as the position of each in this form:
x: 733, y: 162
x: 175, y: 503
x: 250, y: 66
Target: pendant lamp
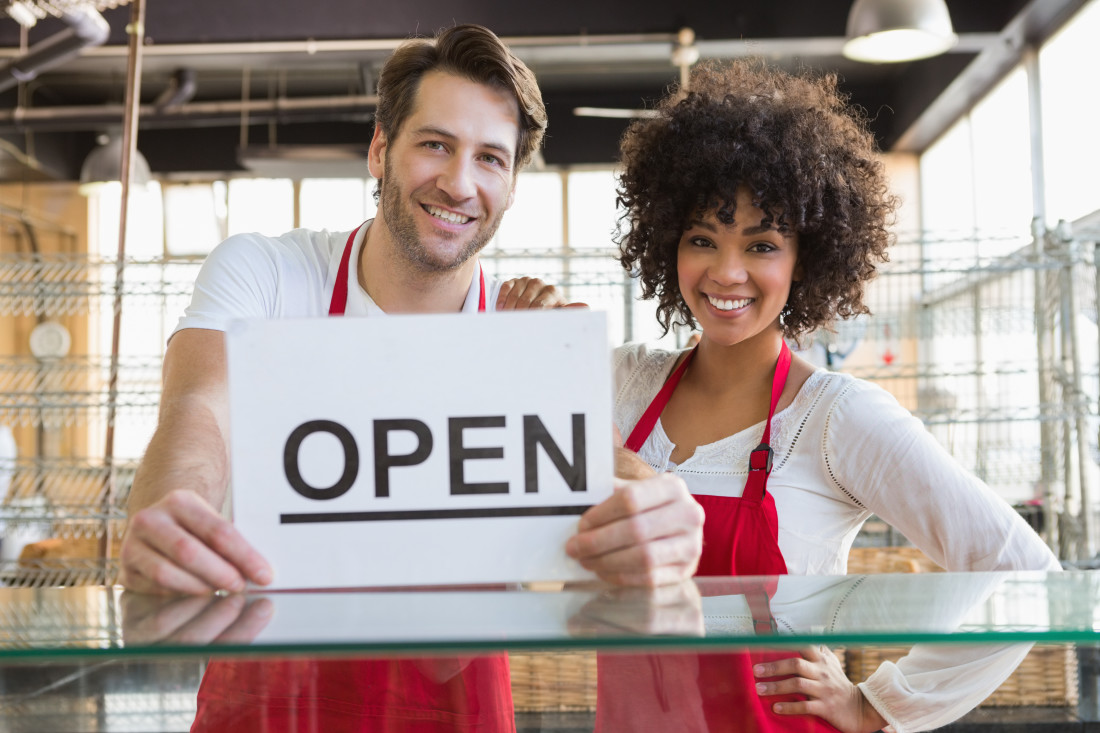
x: 104, y: 164
x: 889, y: 31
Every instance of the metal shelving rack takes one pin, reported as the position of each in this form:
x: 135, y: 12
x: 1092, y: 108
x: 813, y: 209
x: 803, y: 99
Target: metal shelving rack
x: 73, y: 494
x: 986, y: 340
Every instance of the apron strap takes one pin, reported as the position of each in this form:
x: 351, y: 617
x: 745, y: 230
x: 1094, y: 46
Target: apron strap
x: 760, y: 460
x: 339, y: 303
x: 641, y: 431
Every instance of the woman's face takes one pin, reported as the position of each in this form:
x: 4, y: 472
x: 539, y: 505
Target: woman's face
x: 736, y: 278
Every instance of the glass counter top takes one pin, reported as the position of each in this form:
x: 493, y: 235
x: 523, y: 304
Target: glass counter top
x: 702, y: 615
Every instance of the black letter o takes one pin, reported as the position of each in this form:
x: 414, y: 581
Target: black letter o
x: 351, y: 459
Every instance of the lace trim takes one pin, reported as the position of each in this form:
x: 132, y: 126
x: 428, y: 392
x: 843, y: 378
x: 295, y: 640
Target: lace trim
x: 732, y: 452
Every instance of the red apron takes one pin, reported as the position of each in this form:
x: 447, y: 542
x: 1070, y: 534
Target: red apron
x: 357, y: 695
x: 712, y: 692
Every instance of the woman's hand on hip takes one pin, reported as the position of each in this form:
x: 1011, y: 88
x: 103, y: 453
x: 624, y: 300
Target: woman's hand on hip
x: 818, y: 676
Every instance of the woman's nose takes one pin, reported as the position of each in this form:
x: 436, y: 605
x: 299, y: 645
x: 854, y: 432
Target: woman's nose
x: 728, y: 269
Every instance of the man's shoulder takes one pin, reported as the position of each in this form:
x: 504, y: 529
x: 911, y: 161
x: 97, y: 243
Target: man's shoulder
x: 293, y: 243
x: 299, y: 248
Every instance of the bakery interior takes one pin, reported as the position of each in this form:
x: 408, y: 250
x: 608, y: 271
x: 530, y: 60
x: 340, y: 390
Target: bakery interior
x: 190, y: 122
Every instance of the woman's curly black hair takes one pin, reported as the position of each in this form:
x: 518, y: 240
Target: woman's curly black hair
x: 808, y: 160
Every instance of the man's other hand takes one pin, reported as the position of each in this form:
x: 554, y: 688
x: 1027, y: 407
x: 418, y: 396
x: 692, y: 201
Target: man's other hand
x: 648, y: 533
x: 182, y: 545
x: 524, y: 293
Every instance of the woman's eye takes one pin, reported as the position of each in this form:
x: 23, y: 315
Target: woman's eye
x: 701, y: 242
x: 763, y: 247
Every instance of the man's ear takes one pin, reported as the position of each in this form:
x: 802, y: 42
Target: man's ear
x: 511, y: 195
x: 376, y: 157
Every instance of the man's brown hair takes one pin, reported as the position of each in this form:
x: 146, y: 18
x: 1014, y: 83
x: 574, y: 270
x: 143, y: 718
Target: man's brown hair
x: 472, y: 52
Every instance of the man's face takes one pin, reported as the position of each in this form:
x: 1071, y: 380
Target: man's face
x: 448, y: 176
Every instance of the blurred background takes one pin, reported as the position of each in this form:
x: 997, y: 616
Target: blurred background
x: 249, y: 116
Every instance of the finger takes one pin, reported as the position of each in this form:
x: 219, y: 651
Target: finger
x: 791, y: 666
x: 147, y: 571
x: 548, y: 297
x: 223, y: 538
x: 646, y: 557
x: 171, y: 544
x: 635, y: 497
x: 577, y: 304
x: 502, y: 295
x: 790, y: 686
x: 517, y: 292
x: 675, y: 519
x: 250, y: 623
x: 799, y: 707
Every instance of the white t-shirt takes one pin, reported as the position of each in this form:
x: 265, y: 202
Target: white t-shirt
x: 844, y: 449
x: 290, y: 276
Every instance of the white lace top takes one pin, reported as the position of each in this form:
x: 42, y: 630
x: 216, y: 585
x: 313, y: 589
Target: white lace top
x: 844, y: 449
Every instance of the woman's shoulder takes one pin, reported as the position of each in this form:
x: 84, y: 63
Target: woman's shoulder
x: 637, y: 357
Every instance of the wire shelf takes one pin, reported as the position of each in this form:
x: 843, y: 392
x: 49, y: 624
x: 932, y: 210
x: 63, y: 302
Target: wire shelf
x: 51, y: 574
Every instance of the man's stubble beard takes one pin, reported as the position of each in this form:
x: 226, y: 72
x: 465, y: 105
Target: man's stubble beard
x: 402, y: 226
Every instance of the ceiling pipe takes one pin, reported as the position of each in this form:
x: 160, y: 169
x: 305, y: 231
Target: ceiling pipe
x: 180, y: 90
x: 53, y: 119
x: 87, y: 28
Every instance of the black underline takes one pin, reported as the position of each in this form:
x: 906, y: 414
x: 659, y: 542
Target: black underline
x: 392, y: 516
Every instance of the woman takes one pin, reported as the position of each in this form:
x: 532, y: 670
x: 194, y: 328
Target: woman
x: 757, y: 211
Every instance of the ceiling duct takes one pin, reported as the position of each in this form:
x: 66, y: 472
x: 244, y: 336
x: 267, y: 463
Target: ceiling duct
x: 87, y: 28
x: 180, y: 89
x: 305, y: 161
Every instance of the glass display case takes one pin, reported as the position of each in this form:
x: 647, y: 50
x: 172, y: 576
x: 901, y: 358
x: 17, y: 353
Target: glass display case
x: 101, y: 659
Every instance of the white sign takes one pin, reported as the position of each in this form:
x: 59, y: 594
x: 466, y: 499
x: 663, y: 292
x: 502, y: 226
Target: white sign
x: 419, y: 450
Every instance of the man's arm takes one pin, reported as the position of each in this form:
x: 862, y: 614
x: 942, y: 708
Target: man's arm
x: 177, y: 540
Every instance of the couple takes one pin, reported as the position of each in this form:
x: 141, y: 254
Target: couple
x: 756, y: 211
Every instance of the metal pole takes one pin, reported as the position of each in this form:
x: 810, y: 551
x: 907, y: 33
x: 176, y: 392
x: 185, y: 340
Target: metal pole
x: 1069, y: 326
x: 136, y: 30
x: 1053, y: 502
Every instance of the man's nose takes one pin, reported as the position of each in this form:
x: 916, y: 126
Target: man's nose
x: 457, y: 179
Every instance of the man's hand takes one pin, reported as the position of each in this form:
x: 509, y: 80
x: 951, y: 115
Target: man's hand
x: 818, y: 675
x: 524, y: 293
x: 648, y: 533
x: 181, y: 545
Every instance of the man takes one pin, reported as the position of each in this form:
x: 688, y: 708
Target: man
x: 457, y: 119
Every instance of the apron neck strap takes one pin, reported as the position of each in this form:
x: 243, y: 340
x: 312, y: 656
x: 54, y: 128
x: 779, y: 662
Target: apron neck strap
x: 339, y: 303
x: 760, y: 460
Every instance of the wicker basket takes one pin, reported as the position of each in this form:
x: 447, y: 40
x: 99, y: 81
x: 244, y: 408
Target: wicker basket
x: 553, y: 681
x: 1047, y: 677
x: 869, y: 560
